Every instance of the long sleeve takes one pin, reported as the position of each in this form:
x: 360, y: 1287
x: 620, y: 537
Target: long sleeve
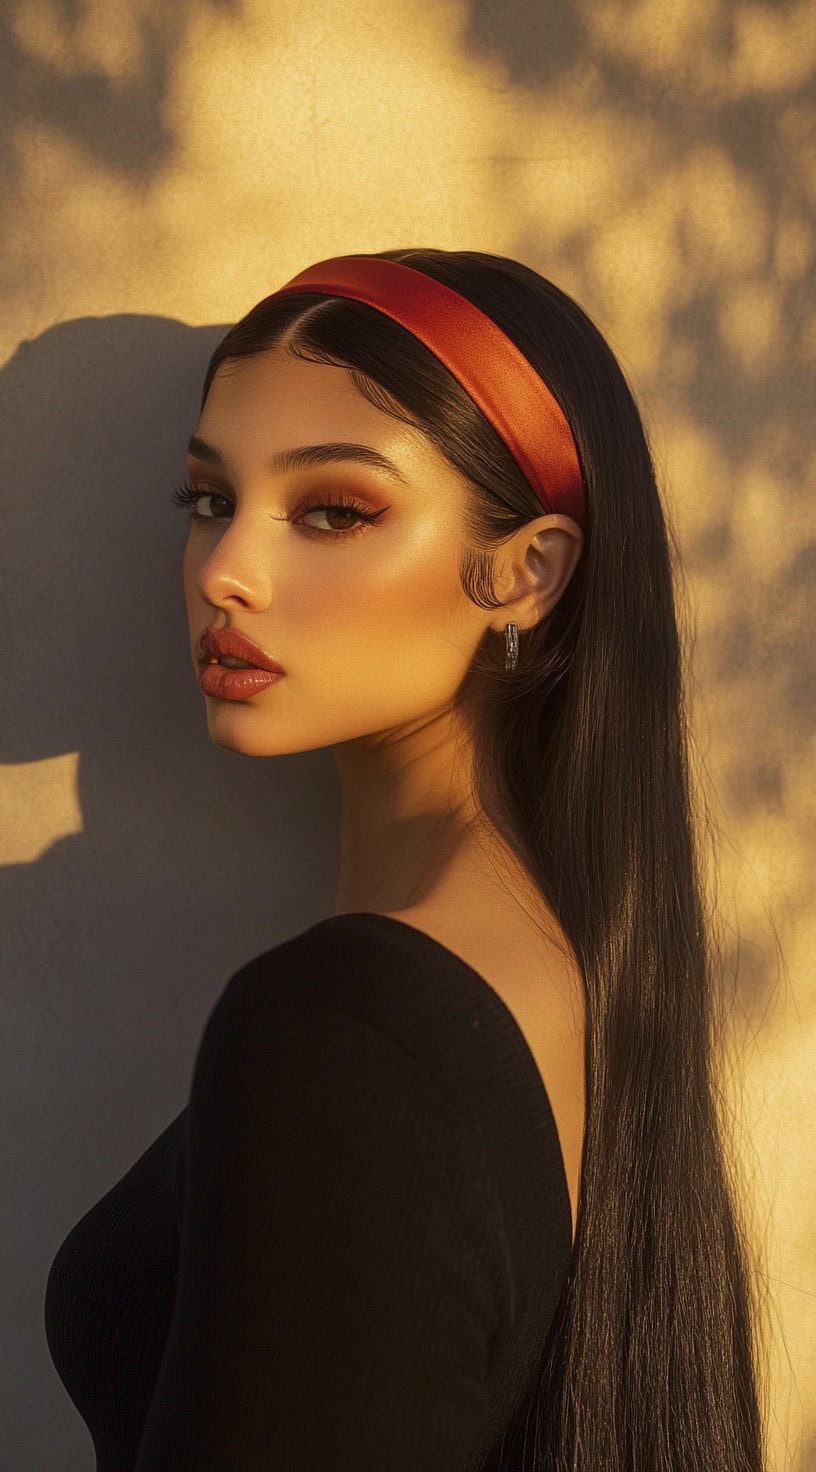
x: 339, y: 1282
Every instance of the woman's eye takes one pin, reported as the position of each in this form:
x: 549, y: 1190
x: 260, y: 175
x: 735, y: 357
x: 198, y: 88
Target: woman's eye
x: 189, y: 497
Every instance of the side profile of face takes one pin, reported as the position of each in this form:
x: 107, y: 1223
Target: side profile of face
x: 368, y: 619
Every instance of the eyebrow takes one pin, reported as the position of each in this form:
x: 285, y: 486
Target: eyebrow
x: 304, y: 456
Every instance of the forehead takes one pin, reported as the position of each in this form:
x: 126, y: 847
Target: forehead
x: 260, y: 407
x: 273, y: 400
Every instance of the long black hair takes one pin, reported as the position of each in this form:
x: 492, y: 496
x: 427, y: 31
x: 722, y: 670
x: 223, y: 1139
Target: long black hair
x: 582, y: 762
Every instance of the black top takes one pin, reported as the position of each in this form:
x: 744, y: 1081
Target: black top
x: 344, y: 1254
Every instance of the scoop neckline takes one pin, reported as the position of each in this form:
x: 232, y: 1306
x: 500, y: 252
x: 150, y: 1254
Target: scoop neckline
x: 521, y: 1042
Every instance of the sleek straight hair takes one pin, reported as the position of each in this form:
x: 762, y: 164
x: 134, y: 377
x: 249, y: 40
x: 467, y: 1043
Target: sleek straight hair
x: 582, y: 762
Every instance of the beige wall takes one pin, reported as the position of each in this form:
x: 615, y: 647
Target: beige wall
x: 165, y: 166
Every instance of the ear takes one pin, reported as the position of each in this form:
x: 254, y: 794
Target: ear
x: 533, y: 568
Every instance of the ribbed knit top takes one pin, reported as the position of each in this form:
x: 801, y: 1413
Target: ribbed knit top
x: 345, y: 1253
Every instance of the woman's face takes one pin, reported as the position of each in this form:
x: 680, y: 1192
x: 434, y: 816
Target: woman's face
x: 368, y: 620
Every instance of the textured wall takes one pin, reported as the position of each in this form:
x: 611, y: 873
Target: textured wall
x: 163, y: 167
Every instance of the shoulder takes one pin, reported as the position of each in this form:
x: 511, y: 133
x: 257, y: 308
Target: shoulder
x: 355, y: 982
x: 344, y: 1009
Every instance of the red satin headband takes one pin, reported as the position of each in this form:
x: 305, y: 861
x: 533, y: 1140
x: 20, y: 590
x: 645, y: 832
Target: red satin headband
x: 489, y: 366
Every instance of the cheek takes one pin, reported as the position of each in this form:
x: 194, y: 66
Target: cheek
x: 382, y: 577
x: 383, y: 593
x: 386, y: 642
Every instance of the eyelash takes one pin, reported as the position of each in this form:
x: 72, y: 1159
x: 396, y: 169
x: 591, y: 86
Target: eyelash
x: 186, y: 496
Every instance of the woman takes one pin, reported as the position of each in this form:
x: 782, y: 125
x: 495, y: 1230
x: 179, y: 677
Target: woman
x: 449, y: 1191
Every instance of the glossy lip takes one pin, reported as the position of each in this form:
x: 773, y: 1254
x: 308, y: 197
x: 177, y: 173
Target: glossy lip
x: 222, y: 683
x: 215, y: 642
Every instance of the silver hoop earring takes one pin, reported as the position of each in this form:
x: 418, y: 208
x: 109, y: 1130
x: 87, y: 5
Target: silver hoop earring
x: 511, y: 646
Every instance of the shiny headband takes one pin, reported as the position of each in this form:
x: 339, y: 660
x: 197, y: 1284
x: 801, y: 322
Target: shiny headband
x: 487, y: 363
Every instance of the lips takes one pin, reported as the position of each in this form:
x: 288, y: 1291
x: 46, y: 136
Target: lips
x: 216, y: 642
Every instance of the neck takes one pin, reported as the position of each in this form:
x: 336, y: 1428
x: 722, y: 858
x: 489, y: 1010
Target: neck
x: 407, y: 814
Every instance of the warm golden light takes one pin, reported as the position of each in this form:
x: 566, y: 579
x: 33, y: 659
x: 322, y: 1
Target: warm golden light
x: 656, y: 159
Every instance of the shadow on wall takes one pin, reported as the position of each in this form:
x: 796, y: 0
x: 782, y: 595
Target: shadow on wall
x: 66, y: 71
x: 95, y: 417
x: 723, y: 92
x: 119, y: 126
x: 191, y: 859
